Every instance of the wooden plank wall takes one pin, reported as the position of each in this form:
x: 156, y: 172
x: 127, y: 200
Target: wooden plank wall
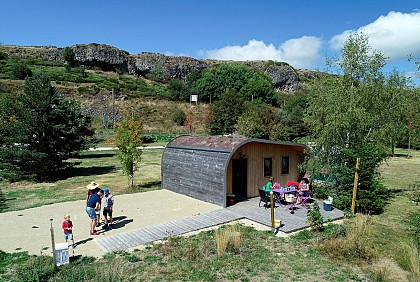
x: 255, y: 153
x: 196, y: 173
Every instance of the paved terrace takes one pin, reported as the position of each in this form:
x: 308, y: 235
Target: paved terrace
x: 247, y: 209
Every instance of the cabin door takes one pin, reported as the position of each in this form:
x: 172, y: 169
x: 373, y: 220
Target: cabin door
x: 239, y: 178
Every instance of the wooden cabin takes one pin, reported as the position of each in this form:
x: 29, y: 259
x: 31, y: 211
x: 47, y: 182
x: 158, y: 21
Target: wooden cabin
x: 209, y: 168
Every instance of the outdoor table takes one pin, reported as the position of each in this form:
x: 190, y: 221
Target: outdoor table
x: 281, y: 192
x: 281, y: 195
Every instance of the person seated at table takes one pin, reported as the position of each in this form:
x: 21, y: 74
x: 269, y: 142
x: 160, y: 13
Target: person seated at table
x: 269, y: 186
x: 304, y: 187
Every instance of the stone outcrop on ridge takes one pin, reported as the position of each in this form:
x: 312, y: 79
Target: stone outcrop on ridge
x: 109, y: 58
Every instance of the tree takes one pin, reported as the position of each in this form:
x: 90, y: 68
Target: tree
x: 215, y: 81
x: 257, y: 121
x: 178, y: 91
x: 259, y: 89
x: 128, y: 137
x: 352, y: 113
x: 225, y: 112
x: 68, y: 57
x: 249, y: 125
x: 291, y: 126
x: 19, y: 70
x: 39, y: 131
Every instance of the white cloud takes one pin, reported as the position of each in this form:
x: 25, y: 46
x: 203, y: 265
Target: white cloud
x: 300, y: 52
x: 396, y: 35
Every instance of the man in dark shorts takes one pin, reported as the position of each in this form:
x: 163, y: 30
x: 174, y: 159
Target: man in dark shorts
x: 108, y: 207
x: 93, y: 205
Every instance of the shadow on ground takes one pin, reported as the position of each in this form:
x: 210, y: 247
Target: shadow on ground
x: 86, y: 171
x: 96, y: 156
x: 82, y: 242
x: 149, y: 185
x: 119, y: 222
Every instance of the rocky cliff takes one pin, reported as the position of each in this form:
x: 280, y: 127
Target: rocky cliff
x: 109, y: 58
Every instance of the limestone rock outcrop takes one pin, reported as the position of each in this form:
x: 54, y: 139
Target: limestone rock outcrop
x: 106, y: 57
x: 167, y: 67
x: 159, y: 67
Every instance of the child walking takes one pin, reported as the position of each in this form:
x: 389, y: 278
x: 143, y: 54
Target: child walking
x: 67, y: 226
x: 108, y: 207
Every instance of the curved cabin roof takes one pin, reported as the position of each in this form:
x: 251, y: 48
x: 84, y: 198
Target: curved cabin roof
x: 197, y: 166
x: 222, y: 143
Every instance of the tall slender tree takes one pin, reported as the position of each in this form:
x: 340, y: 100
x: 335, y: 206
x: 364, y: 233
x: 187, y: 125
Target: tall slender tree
x: 128, y: 138
x: 354, y: 114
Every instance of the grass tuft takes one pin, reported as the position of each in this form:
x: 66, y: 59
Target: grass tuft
x: 228, y: 239
x: 356, y: 245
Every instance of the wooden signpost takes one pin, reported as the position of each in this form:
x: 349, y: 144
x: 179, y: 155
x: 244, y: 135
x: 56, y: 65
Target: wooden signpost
x: 356, y: 181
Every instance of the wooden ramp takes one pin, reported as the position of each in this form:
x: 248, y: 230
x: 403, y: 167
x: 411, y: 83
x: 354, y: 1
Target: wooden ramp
x: 133, y: 238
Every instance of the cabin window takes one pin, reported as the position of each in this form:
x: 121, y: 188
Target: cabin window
x: 268, y: 166
x: 284, y: 165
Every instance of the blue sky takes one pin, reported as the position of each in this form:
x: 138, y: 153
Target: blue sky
x: 301, y: 33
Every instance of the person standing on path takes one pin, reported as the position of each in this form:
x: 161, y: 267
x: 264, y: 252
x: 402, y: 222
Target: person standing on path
x: 67, y: 226
x: 108, y: 207
x: 93, y: 188
x: 98, y: 211
x: 92, y: 206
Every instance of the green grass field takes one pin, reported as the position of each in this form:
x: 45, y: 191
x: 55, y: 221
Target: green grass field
x: 400, y: 171
x: 100, y: 166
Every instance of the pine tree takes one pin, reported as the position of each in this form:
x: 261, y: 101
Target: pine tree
x: 40, y: 130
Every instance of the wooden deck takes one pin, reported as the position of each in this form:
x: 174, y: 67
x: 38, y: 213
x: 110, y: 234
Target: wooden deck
x: 290, y: 222
x: 246, y: 209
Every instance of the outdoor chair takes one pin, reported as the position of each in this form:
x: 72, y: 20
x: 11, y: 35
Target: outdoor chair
x: 293, y: 183
x: 264, y: 197
x: 305, y: 198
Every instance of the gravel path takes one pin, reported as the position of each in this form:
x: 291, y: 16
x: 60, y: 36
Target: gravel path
x: 29, y: 230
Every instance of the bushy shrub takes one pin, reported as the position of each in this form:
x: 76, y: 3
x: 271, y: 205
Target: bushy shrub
x: 20, y: 70
x: 178, y: 91
x: 249, y: 124
x: 3, y: 56
x: 69, y: 56
x: 314, y: 217
x: 179, y: 117
x: 321, y: 190
x: 355, y: 245
x: 3, y: 205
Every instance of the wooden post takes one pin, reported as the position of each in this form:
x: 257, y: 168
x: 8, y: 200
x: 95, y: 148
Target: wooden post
x: 53, y: 244
x: 409, y: 145
x: 356, y: 181
x: 272, y: 210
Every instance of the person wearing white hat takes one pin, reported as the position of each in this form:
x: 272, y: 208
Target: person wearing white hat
x: 92, y: 206
x: 93, y: 188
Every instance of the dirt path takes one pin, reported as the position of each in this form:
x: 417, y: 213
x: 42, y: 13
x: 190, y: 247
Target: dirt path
x: 29, y: 230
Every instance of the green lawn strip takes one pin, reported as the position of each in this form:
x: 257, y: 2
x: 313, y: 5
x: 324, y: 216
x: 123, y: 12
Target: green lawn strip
x: 399, y: 171
x: 261, y: 257
x: 8, y: 260
x: 100, y: 166
x: 392, y: 229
